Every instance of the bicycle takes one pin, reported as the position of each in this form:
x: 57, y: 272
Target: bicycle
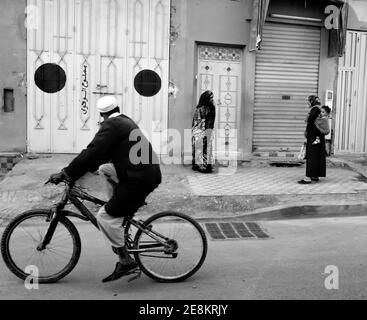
x: 50, y: 236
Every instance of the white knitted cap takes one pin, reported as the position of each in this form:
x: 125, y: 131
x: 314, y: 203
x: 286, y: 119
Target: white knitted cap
x: 106, y: 104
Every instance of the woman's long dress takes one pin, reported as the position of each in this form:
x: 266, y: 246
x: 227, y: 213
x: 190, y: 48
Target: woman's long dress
x: 202, y: 137
x: 315, y: 153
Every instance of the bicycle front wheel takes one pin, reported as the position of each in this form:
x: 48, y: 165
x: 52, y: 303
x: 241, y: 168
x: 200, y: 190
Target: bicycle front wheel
x: 26, y: 232
x: 187, y: 247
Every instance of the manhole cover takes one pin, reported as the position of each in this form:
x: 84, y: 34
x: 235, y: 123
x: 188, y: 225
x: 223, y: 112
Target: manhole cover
x: 235, y: 230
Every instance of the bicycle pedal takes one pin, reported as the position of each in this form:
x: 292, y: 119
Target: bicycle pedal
x: 137, y: 275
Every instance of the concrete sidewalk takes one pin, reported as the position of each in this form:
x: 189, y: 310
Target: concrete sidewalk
x: 254, y: 187
x: 357, y: 161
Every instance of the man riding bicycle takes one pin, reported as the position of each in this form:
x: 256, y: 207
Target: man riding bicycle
x: 112, y: 152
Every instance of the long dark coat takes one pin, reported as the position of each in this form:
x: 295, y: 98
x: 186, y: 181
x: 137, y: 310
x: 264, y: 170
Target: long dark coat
x: 113, y: 143
x: 315, y: 154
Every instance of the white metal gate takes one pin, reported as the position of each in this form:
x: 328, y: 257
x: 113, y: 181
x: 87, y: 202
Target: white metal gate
x: 287, y: 71
x: 219, y: 70
x: 351, y: 104
x: 101, y: 45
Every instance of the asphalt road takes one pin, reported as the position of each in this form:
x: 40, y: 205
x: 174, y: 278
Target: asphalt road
x: 289, y: 265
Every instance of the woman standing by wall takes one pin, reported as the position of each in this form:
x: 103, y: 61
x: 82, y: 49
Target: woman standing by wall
x: 202, y: 127
x: 315, y: 153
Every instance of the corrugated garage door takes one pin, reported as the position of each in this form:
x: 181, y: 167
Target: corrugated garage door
x: 287, y: 71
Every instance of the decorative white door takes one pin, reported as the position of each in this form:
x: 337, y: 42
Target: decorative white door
x: 351, y: 110
x: 89, y: 44
x: 219, y: 70
x: 101, y: 45
x: 50, y: 40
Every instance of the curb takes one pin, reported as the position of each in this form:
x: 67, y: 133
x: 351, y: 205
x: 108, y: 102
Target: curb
x: 8, y: 160
x: 354, y: 167
x: 291, y: 212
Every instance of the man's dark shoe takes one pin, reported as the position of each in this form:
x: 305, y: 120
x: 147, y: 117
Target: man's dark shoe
x: 315, y: 179
x: 121, y: 270
x: 304, y: 182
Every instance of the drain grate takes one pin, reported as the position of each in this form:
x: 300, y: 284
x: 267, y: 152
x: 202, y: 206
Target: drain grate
x: 242, y: 230
x: 235, y: 230
x: 256, y: 230
x: 228, y: 230
x: 214, y: 231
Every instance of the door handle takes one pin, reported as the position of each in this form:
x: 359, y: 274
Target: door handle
x: 100, y: 86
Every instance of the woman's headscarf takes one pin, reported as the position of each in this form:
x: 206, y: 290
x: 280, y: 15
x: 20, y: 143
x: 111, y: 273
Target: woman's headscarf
x: 313, y: 113
x: 207, y: 108
x: 314, y: 100
x: 205, y: 99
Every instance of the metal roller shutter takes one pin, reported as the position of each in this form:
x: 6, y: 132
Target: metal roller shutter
x: 287, y: 72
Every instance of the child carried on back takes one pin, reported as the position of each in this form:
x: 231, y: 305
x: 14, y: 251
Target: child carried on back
x: 322, y: 122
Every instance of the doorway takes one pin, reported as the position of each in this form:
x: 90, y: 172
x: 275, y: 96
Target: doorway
x: 220, y: 70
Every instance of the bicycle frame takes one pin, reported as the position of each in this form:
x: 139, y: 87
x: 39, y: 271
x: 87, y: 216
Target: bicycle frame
x: 153, y: 234
x: 73, y: 195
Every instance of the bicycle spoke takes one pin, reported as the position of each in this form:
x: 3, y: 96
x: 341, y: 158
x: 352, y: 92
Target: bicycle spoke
x: 55, y: 261
x: 53, y: 249
x: 41, y: 260
x: 60, y: 250
x: 58, y: 254
x: 58, y: 235
x: 60, y: 240
x: 174, y: 268
x: 156, y: 256
x: 61, y: 261
x: 40, y: 233
x: 164, y: 265
x: 190, y: 252
x: 30, y: 259
x: 27, y: 232
x: 51, y: 261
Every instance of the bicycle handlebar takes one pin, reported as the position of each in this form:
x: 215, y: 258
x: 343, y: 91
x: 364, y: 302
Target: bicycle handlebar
x: 70, y: 184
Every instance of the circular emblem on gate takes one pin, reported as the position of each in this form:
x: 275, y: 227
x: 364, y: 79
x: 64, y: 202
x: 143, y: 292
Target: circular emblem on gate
x: 50, y: 78
x: 147, y: 83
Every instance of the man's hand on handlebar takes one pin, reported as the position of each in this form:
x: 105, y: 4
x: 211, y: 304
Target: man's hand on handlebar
x: 61, y: 176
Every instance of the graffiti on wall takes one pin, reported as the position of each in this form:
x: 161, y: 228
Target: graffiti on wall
x: 85, y: 85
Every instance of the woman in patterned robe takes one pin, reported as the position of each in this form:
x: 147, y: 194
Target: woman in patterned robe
x: 202, y: 134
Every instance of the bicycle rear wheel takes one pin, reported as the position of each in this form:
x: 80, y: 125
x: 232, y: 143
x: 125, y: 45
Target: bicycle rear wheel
x: 23, y: 235
x: 187, y: 242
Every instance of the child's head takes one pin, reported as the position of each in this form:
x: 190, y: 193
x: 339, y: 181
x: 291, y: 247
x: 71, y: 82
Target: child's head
x: 325, y: 111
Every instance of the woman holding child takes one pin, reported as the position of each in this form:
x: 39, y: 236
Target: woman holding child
x: 316, y: 129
